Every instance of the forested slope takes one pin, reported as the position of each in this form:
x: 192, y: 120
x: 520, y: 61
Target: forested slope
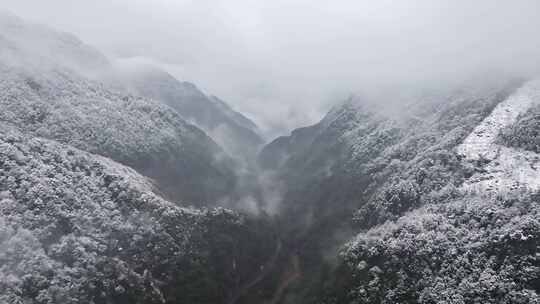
x: 360, y: 160
x: 56, y: 97
x: 76, y: 227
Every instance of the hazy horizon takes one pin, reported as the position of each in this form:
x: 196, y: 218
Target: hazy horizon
x: 284, y: 63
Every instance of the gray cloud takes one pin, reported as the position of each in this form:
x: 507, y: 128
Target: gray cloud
x: 283, y: 62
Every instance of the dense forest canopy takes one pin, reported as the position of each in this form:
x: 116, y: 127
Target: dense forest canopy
x: 124, y: 181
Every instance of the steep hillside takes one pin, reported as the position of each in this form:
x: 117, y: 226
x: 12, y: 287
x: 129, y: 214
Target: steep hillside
x: 467, y: 250
x: 357, y: 147
x: 478, y: 242
x: 396, y: 196
x: 507, y: 167
x: 234, y: 132
x: 361, y: 160
x: 80, y: 228
x: 50, y: 94
x: 476, y: 239
x: 525, y: 132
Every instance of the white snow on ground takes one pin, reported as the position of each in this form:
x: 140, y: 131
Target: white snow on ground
x: 508, y: 168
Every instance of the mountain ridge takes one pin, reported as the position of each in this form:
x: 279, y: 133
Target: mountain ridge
x: 238, y: 135
x: 397, y: 196
x: 50, y: 97
x: 390, y: 173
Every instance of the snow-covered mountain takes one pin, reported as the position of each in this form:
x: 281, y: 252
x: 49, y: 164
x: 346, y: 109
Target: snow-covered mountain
x: 78, y: 227
x: 25, y: 43
x: 47, y: 88
x: 424, y: 233
x: 508, y: 167
x: 393, y: 197
x: 477, y: 238
x: 238, y: 135
x: 82, y: 171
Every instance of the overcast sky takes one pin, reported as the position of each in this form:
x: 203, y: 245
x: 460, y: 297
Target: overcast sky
x: 284, y: 62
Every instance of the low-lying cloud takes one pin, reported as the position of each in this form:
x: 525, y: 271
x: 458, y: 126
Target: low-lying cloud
x: 285, y: 62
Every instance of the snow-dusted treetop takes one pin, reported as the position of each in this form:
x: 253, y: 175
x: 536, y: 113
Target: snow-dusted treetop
x: 46, y: 89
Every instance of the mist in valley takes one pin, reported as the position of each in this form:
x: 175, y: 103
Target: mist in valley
x: 269, y: 152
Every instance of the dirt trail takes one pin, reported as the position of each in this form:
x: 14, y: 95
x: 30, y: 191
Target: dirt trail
x: 290, y: 276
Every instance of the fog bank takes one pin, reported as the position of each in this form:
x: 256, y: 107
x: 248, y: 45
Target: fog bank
x: 283, y: 63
